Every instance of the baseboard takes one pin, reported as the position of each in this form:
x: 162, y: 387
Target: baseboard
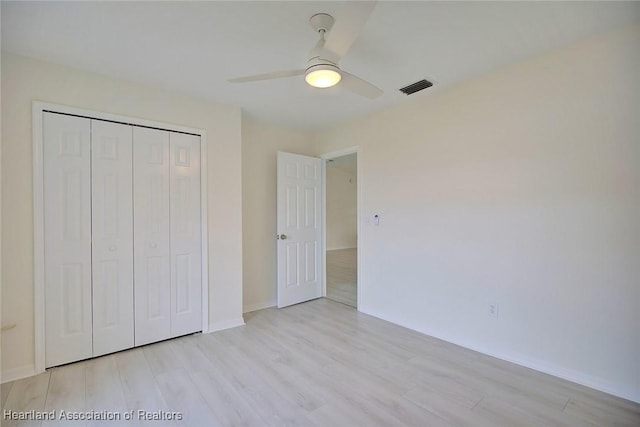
x: 537, y: 365
x: 17, y: 373
x: 226, y: 324
x: 258, y: 306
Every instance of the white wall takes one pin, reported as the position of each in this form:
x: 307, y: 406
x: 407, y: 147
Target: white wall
x: 260, y: 143
x: 25, y: 80
x: 342, y: 207
x: 521, y: 187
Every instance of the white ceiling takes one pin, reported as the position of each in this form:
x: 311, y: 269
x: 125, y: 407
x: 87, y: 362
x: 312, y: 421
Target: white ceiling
x: 194, y: 47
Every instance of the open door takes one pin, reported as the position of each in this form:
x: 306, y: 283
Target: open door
x: 299, y: 228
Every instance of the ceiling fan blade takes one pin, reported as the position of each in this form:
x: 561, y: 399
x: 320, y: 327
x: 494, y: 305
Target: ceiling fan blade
x: 267, y: 76
x: 358, y: 86
x: 351, y: 20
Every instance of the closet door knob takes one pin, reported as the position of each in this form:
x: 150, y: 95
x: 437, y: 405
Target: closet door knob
x: 112, y: 248
x: 153, y: 245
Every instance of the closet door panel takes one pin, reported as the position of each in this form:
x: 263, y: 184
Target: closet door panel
x: 112, y: 236
x: 151, y: 240
x: 67, y: 238
x: 186, y: 253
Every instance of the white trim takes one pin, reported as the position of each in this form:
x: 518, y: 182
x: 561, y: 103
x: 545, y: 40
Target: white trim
x: 226, y: 324
x: 100, y: 115
x: 204, y: 234
x: 18, y: 373
x: 332, y: 155
x: 38, y: 237
x: 38, y: 109
x: 340, y: 153
x: 258, y: 306
x: 323, y: 223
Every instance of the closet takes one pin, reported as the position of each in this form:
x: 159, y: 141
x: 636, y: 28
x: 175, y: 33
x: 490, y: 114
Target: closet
x: 122, y: 236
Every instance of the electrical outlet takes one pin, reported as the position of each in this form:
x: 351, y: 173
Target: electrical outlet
x: 493, y: 309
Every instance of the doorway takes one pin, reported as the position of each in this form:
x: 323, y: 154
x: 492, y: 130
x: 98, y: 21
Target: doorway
x: 341, y: 216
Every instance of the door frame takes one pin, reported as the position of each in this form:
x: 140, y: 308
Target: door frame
x: 38, y: 110
x: 328, y: 156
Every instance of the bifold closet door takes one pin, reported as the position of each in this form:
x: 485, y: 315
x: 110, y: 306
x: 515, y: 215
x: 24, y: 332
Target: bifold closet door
x: 186, y: 252
x: 112, y: 236
x: 151, y: 243
x: 167, y: 244
x: 122, y: 236
x: 67, y: 238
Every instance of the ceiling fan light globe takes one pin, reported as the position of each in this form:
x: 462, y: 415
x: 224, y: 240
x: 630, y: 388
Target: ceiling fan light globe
x: 323, y: 76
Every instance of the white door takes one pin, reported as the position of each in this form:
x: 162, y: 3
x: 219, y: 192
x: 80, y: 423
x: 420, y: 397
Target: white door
x: 186, y: 252
x: 67, y: 238
x: 151, y: 243
x: 299, y: 228
x: 112, y: 236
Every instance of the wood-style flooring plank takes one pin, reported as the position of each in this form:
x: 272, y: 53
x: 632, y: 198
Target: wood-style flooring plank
x: 453, y: 408
x: 280, y: 378
x: 177, y: 388
x: 161, y: 357
x: 603, y: 412
x: 140, y: 389
x: 104, y: 391
x: 341, y: 394
x: 370, y: 393
x: 520, y: 411
x: 5, y: 388
x: 229, y: 407
x: 66, y: 393
x: 26, y: 395
x: 246, y: 376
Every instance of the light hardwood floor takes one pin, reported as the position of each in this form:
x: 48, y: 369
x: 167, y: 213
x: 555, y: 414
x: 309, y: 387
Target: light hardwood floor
x: 320, y: 363
x: 342, y: 276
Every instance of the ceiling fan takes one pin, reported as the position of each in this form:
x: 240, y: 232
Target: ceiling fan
x: 336, y: 37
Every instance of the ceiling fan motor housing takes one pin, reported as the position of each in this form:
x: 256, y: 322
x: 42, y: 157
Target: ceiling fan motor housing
x: 318, y: 61
x: 322, y: 22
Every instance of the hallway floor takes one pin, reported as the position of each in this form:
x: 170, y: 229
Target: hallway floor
x: 342, y: 276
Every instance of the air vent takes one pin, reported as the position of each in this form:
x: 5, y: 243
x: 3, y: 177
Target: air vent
x: 416, y: 87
